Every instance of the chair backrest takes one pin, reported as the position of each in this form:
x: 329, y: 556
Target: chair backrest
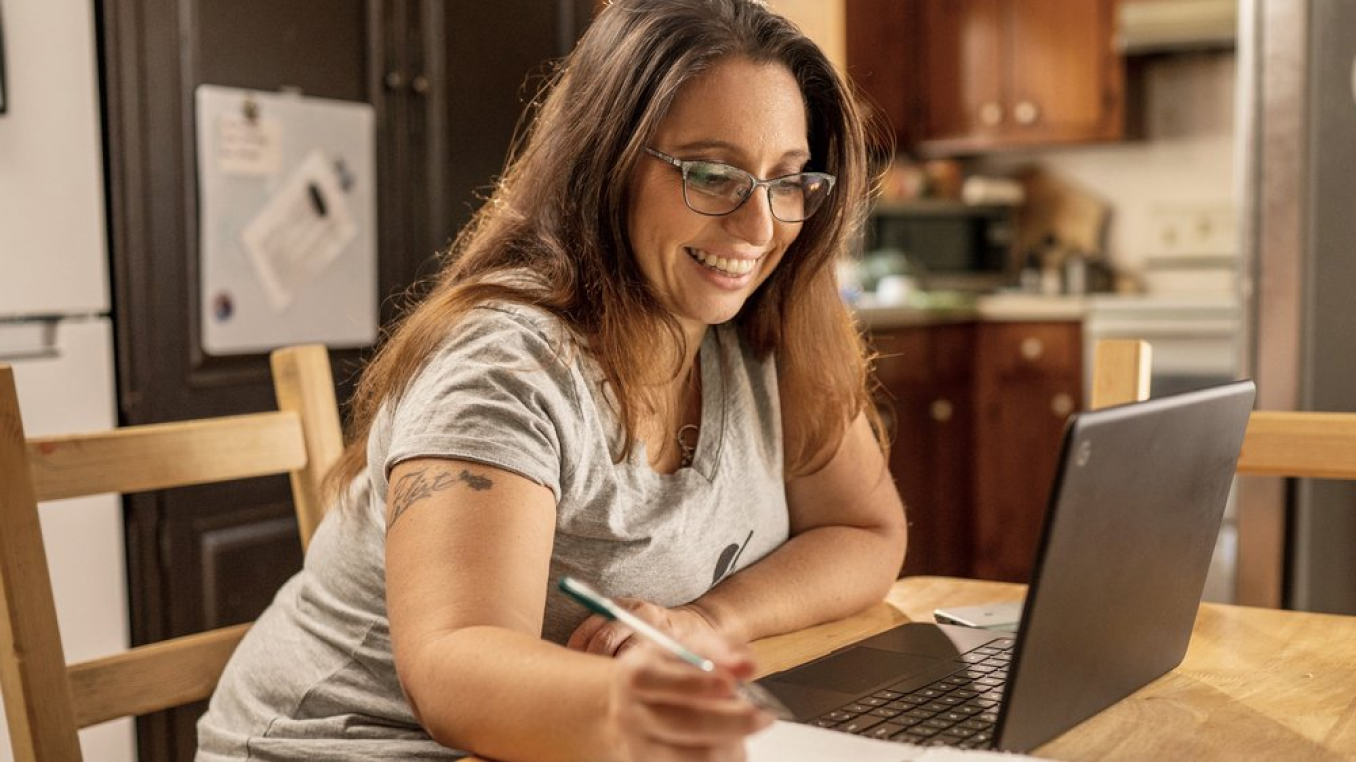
x: 1299, y: 444
x: 1120, y: 372
x: 48, y: 701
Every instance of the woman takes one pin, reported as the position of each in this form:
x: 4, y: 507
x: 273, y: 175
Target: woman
x: 635, y: 369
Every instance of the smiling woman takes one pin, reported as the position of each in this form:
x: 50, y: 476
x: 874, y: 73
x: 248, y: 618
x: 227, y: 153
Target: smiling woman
x: 634, y: 370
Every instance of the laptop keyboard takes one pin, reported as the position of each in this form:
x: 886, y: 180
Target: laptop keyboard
x: 957, y: 710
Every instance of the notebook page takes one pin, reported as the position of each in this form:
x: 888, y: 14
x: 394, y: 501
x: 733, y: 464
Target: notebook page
x: 794, y: 742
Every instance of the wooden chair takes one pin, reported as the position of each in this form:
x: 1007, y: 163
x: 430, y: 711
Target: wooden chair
x: 1282, y: 444
x: 46, y: 700
x: 1299, y: 444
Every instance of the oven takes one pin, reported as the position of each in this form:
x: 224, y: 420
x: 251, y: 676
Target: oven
x: 1196, y: 342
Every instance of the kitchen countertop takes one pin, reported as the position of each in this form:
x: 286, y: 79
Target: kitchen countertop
x: 935, y: 309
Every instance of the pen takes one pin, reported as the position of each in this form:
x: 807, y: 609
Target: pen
x: 601, y: 604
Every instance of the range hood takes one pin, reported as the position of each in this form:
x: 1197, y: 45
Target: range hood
x: 1161, y: 26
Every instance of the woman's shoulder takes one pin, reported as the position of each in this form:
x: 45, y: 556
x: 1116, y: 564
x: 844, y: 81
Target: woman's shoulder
x: 508, y: 327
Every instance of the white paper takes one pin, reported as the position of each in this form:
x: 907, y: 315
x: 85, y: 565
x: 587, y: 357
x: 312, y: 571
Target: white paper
x: 299, y: 231
x: 794, y: 742
x: 248, y: 147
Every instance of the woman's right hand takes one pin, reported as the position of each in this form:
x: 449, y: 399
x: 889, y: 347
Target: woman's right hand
x: 663, y: 709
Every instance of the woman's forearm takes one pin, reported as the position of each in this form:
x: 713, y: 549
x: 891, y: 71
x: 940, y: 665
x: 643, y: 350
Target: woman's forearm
x: 508, y: 695
x: 819, y: 575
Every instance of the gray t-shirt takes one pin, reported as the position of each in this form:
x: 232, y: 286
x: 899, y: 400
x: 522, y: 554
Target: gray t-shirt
x: 315, y: 677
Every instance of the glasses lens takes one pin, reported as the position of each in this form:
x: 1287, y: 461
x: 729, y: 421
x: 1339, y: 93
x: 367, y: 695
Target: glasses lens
x: 797, y: 197
x: 712, y: 188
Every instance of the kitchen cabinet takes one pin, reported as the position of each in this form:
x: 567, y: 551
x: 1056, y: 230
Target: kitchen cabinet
x: 977, y: 410
x: 925, y: 381
x: 966, y: 76
x: 1028, y: 379
x: 884, y: 65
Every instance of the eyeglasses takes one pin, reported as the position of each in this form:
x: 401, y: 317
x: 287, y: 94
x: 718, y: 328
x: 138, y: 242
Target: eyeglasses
x: 716, y: 189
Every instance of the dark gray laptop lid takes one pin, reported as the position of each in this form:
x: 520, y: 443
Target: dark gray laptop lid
x: 1131, y: 526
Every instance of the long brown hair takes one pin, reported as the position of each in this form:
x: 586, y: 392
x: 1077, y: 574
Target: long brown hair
x: 559, y: 213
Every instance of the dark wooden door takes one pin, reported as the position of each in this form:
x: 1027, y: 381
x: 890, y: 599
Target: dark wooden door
x: 446, y: 80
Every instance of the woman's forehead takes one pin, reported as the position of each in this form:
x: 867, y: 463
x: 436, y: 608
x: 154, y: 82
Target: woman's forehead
x: 739, y: 109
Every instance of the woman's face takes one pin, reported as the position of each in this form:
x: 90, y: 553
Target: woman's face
x: 740, y: 113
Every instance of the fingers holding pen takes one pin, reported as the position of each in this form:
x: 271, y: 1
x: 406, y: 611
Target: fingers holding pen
x: 674, y: 711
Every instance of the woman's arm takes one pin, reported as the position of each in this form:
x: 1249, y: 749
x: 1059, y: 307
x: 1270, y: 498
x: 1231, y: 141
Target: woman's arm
x: 467, y: 557
x: 847, y: 544
x: 848, y: 537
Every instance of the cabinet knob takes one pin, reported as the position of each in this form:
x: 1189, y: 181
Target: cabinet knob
x: 394, y: 80
x: 1026, y: 112
x: 941, y: 410
x: 1032, y: 348
x: 1061, y: 404
x: 990, y: 114
x: 419, y: 84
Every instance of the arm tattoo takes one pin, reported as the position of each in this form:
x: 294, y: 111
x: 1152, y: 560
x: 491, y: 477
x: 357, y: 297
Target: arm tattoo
x: 417, y: 485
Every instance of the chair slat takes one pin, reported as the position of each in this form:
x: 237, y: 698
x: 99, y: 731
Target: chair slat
x: 32, y: 664
x: 151, y: 677
x: 151, y: 457
x: 302, y: 381
x: 1300, y: 444
x: 1120, y: 372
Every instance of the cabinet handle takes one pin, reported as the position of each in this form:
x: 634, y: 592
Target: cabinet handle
x: 1026, y: 112
x: 990, y: 114
x: 941, y: 410
x: 394, y: 80
x: 1032, y: 348
x: 419, y: 84
x: 1061, y: 405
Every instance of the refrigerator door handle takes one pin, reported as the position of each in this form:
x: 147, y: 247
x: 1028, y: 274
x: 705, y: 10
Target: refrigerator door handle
x: 29, y: 339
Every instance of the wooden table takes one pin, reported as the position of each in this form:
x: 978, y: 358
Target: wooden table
x: 1255, y: 683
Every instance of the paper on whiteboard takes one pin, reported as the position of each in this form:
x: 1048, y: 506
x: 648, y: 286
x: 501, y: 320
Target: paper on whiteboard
x: 248, y: 146
x: 299, y: 231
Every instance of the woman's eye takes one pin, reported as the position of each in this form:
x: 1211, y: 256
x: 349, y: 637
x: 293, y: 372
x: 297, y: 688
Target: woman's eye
x: 712, y: 178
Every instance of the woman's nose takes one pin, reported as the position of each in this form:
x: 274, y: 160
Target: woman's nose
x: 753, y: 222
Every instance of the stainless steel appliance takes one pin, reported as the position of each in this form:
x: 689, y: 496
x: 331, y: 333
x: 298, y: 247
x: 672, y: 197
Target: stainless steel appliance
x: 1196, y: 342
x: 949, y: 245
x: 1298, y: 70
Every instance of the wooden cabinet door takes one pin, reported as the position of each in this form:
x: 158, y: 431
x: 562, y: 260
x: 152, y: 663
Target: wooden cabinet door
x: 884, y: 65
x: 925, y: 376
x: 1001, y: 73
x: 1028, y: 381
x: 1064, y: 76
x: 964, y: 43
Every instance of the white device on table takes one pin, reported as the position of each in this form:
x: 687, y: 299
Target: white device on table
x: 989, y: 616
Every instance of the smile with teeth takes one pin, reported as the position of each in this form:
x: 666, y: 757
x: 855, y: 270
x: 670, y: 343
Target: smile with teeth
x: 732, y: 267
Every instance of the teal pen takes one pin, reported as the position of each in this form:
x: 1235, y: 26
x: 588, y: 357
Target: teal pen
x: 601, y: 604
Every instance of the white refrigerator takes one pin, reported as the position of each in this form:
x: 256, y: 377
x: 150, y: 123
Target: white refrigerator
x: 54, y: 309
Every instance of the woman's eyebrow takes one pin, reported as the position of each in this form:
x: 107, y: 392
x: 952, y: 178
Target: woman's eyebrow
x: 794, y: 154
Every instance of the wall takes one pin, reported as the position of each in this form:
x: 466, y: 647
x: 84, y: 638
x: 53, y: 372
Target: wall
x: 1184, y: 161
x: 822, y: 21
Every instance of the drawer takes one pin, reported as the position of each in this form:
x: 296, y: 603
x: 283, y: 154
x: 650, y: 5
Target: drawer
x: 1021, y: 348
x: 903, y: 355
x: 924, y: 354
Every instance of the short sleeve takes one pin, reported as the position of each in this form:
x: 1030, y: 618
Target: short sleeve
x: 499, y: 391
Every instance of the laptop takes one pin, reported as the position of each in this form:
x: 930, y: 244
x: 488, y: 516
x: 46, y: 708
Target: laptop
x: 1130, y: 527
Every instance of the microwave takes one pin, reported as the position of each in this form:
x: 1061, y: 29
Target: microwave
x: 949, y: 245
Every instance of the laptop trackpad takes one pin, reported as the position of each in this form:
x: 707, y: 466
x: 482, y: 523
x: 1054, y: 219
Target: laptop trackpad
x: 857, y: 669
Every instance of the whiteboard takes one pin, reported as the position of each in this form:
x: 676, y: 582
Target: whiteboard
x: 286, y: 222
